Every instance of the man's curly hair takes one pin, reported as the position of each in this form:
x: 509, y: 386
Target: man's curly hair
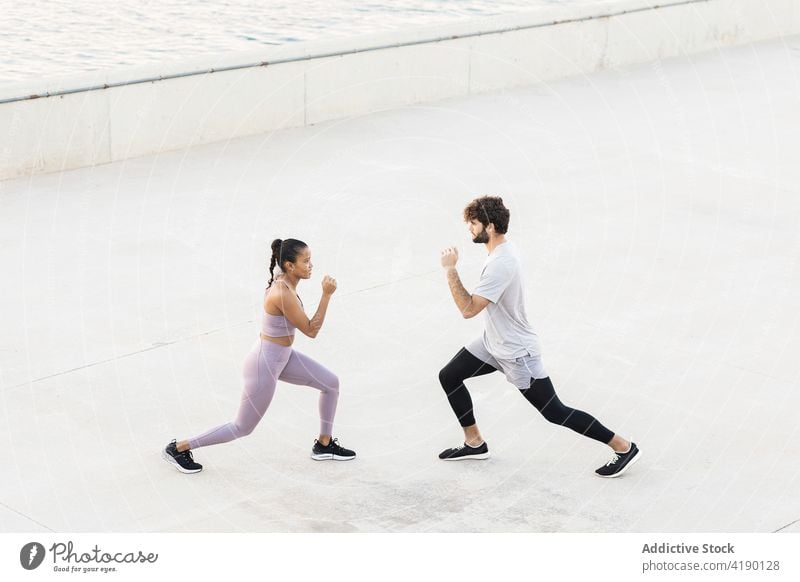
x: 488, y: 210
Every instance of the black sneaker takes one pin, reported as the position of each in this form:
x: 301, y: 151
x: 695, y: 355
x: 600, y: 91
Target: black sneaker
x: 619, y: 463
x: 465, y: 451
x: 331, y: 451
x: 183, y: 462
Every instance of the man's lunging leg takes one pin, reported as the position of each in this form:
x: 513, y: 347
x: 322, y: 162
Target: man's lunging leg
x: 543, y: 396
x: 464, y: 365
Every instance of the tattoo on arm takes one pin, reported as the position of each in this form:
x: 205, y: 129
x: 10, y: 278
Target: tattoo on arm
x: 460, y: 295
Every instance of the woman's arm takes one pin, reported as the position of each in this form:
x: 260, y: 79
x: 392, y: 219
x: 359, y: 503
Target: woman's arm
x: 292, y: 310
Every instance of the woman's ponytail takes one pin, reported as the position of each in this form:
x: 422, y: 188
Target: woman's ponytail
x: 276, y: 252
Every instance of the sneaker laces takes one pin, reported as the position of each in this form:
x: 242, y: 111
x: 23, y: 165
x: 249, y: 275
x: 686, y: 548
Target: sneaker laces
x: 334, y: 444
x: 613, y: 460
x: 465, y: 446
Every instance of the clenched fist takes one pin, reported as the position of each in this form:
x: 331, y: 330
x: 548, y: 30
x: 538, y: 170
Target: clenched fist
x: 449, y: 257
x: 328, y: 285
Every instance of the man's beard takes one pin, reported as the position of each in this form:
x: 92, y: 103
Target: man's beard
x: 481, y: 238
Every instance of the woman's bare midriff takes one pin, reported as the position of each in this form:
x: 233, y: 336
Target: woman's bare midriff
x: 285, y: 340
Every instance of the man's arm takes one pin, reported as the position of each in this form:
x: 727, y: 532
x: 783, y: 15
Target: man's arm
x: 468, y: 305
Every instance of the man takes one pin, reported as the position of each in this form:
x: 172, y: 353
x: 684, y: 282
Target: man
x: 509, y: 344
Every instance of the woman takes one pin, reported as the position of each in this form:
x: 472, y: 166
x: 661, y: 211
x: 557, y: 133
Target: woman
x: 272, y: 358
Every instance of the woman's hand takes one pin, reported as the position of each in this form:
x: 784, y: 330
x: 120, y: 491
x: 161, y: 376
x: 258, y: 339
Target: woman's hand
x: 328, y: 285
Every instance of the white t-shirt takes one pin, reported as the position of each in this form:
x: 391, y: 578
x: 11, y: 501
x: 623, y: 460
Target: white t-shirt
x: 508, y: 334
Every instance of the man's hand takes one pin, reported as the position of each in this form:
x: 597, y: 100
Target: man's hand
x: 449, y: 257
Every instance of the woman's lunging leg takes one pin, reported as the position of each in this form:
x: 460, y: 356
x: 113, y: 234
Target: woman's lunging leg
x: 304, y: 371
x: 261, y: 369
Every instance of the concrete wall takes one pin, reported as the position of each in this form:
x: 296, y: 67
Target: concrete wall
x: 68, y: 126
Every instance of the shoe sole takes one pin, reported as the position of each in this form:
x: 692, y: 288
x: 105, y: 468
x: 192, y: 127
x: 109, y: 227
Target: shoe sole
x: 478, y: 457
x: 168, y: 458
x: 331, y: 457
x: 625, y: 468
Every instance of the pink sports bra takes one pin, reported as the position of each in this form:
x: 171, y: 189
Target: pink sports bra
x: 276, y: 325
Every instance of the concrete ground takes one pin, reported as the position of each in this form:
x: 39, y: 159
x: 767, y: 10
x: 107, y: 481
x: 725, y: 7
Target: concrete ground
x: 657, y: 208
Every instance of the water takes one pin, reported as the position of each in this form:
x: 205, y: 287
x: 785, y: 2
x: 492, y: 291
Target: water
x: 39, y: 39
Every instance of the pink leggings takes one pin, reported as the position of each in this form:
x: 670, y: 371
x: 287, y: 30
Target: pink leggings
x: 264, y: 365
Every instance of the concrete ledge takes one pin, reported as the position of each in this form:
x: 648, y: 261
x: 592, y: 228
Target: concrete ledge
x: 59, y: 124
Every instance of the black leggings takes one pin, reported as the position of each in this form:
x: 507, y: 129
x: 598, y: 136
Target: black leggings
x: 541, y: 394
